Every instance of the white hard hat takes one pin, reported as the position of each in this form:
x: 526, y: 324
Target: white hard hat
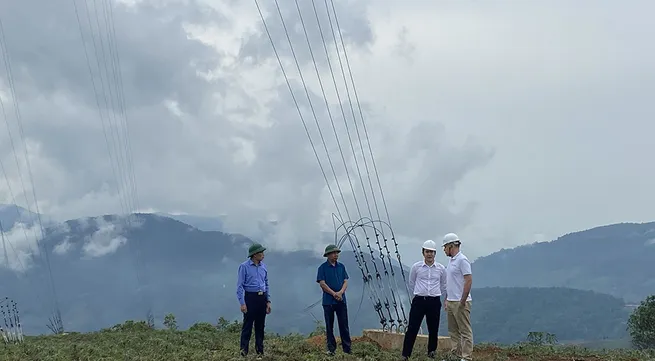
x: 429, y: 244
x: 450, y: 238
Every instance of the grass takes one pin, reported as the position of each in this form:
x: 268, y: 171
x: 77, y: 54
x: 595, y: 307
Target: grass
x: 207, y: 342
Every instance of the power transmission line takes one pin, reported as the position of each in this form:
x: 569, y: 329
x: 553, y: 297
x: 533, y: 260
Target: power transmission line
x: 56, y: 323
x: 379, y: 295
x: 377, y: 175
x: 118, y: 139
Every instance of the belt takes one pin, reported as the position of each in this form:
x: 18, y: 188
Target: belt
x: 259, y: 293
x: 427, y: 297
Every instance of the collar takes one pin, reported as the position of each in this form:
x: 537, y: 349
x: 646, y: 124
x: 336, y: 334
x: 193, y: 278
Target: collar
x: 330, y: 264
x: 457, y: 255
x: 434, y: 264
x: 252, y: 263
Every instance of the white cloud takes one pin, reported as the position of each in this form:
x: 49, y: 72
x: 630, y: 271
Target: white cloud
x: 107, y: 239
x: 63, y: 247
x: 495, y: 121
x: 19, y: 245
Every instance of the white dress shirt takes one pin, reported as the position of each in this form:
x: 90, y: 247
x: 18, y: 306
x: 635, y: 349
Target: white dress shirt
x: 427, y: 280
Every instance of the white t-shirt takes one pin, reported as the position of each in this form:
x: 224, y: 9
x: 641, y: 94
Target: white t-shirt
x: 458, y: 267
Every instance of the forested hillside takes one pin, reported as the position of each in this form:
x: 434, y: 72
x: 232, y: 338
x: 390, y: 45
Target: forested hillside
x: 508, y: 314
x: 615, y: 259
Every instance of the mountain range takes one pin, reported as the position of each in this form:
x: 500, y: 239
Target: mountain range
x: 107, y: 270
x: 615, y: 259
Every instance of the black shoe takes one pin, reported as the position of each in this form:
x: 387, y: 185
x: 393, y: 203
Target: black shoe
x: 244, y: 353
x: 431, y: 354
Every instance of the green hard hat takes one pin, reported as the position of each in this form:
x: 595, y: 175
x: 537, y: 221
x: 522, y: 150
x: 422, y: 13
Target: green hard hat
x: 331, y: 248
x: 255, y: 248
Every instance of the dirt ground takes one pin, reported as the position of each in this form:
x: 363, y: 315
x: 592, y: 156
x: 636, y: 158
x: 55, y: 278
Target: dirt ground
x: 319, y: 341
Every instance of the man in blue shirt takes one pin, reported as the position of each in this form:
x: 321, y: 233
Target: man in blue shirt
x: 333, y: 279
x: 254, y: 297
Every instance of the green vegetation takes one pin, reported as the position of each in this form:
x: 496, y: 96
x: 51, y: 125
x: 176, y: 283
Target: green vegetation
x: 642, y: 324
x: 170, y: 322
x: 507, y: 315
x: 583, y: 260
x: 134, y: 340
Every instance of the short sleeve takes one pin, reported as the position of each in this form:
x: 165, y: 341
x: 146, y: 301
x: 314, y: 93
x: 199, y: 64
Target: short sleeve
x: 320, y: 274
x: 465, y: 267
x: 345, y: 273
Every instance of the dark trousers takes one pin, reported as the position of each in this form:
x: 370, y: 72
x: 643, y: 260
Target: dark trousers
x: 256, y: 314
x: 430, y: 307
x: 341, y: 310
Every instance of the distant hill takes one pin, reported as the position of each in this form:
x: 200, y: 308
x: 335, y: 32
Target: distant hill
x: 200, y: 222
x: 505, y: 315
x: 11, y: 214
x: 192, y: 274
x: 616, y: 259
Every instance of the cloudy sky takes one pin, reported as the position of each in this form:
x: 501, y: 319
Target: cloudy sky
x: 506, y: 122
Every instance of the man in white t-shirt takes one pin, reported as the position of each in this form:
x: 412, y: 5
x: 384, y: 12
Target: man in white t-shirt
x: 458, y: 299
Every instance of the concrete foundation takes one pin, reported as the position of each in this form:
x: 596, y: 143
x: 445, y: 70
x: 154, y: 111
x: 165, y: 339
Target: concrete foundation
x: 394, y: 340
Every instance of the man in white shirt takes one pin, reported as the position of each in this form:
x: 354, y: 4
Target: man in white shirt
x: 427, y: 282
x: 458, y: 300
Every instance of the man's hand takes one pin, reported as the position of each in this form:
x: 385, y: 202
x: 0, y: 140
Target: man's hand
x: 244, y: 309
x: 462, y: 303
x: 338, y: 295
x: 268, y: 308
x: 445, y: 305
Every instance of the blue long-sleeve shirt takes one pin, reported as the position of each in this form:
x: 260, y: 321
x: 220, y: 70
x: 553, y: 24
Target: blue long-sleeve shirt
x: 252, y: 278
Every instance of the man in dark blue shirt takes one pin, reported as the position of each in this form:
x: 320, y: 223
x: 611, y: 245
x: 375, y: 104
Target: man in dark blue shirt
x: 254, y: 297
x: 333, y: 278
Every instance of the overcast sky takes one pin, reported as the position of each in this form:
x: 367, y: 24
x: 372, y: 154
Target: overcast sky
x: 505, y: 122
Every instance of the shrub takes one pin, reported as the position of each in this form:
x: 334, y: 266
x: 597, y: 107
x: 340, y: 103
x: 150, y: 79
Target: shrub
x: 641, y: 324
x: 227, y: 326
x: 128, y: 326
x: 170, y: 322
x: 203, y: 327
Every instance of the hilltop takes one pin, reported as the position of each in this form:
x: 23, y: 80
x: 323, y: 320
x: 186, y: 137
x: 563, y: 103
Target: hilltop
x: 204, y: 342
x: 191, y: 273
x: 199, y: 222
x: 10, y: 215
x: 615, y: 259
